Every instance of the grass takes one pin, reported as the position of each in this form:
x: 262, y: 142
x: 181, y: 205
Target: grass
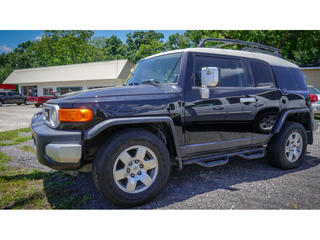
x: 27, y: 149
x: 10, y: 135
x: 9, y: 138
x: 32, y: 188
x: 317, y: 118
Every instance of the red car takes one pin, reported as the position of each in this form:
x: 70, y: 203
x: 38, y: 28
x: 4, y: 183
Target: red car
x: 37, y: 101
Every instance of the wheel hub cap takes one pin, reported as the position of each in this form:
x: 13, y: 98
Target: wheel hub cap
x: 135, y: 169
x: 294, y: 147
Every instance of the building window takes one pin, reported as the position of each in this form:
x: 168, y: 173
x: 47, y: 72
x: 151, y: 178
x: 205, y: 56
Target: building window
x: 45, y: 90
x: 63, y: 90
x: 30, y: 91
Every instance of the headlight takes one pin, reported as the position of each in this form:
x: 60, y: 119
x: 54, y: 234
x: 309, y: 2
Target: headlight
x: 54, y: 119
x: 51, y: 115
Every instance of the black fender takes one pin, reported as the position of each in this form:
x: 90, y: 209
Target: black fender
x: 98, y: 128
x: 284, y: 115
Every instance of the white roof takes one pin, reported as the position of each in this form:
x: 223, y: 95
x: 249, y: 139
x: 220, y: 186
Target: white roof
x: 117, y: 69
x: 275, y: 61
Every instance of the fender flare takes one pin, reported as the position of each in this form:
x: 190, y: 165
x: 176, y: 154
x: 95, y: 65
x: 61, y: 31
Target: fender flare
x: 96, y: 129
x: 277, y: 127
x: 284, y: 115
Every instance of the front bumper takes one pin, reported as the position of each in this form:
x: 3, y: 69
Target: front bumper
x: 57, y: 149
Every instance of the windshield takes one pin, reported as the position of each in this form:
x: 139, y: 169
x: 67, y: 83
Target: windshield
x: 162, y: 69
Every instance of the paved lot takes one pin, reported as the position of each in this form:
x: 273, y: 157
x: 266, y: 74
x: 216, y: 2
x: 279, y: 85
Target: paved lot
x: 15, y: 116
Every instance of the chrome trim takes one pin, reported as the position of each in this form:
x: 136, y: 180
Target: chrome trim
x: 247, y: 100
x: 64, y: 153
x: 315, y: 125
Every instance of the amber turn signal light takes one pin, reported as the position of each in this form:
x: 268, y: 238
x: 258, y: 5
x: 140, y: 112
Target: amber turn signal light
x: 75, y: 115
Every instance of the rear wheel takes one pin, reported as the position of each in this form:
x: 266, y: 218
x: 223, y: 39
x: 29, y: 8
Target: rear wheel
x: 37, y: 104
x: 1, y: 103
x: 287, y: 149
x: 131, y: 167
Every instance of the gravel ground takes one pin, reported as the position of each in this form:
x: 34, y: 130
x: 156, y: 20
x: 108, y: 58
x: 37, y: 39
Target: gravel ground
x: 240, y: 184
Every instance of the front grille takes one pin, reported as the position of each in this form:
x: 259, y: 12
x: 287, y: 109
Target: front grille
x: 46, y: 113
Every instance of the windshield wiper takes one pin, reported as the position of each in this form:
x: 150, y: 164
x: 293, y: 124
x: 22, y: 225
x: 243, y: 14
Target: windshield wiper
x: 153, y: 82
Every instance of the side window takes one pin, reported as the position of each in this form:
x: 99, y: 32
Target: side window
x: 16, y: 94
x: 10, y: 94
x: 231, y: 70
x: 2, y: 94
x: 289, y: 78
x: 262, y: 74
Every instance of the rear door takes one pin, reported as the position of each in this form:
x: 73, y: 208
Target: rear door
x: 268, y: 99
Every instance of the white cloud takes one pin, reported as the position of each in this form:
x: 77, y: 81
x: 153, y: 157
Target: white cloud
x: 5, y: 48
x: 38, y: 38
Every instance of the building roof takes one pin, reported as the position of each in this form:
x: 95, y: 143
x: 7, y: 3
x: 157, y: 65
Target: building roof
x: 315, y: 64
x: 117, y: 69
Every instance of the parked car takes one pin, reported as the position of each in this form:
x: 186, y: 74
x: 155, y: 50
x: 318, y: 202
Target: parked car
x: 190, y: 106
x: 12, y: 97
x: 315, y: 105
x: 37, y: 101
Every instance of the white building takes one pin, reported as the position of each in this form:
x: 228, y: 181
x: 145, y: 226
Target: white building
x: 66, y: 78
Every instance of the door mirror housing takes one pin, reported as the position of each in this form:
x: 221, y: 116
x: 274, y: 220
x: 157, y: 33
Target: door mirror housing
x: 210, y: 76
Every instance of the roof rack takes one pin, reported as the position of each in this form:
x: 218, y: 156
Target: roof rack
x: 250, y: 47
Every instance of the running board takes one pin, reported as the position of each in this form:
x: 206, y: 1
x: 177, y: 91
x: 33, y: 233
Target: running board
x: 217, y: 160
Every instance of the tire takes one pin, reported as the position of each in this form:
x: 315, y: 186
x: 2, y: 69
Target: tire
x: 37, y: 104
x: 1, y: 103
x: 287, y: 149
x: 19, y: 103
x: 25, y: 102
x: 131, y: 167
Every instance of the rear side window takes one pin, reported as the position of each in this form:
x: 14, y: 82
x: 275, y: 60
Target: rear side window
x: 289, y: 78
x: 2, y: 94
x: 298, y: 77
x: 262, y: 74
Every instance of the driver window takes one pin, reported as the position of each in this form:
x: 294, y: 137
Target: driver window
x: 231, y: 70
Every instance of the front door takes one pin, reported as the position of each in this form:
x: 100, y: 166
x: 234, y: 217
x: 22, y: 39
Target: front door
x: 226, y: 118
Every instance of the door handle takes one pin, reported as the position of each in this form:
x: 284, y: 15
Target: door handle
x: 247, y: 100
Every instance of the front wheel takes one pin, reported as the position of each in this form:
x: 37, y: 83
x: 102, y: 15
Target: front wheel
x: 131, y: 167
x: 288, y: 148
x: 37, y: 104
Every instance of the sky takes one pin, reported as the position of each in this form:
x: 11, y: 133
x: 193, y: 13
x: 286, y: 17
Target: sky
x: 10, y: 39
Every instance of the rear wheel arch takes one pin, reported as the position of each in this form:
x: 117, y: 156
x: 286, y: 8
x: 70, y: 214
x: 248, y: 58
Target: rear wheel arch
x: 302, y: 116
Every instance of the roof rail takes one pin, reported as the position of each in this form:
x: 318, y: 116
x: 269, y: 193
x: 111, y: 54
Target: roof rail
x: 260, y: 48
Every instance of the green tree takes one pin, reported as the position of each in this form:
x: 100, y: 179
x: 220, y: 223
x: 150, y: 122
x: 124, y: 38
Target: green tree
x: 137, y: 39
x: 178, y: 41
x: 149, y: 49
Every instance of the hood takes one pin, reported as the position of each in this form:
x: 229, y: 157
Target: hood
x: 114, y: 91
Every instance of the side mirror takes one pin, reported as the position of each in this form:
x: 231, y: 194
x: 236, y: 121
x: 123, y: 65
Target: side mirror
x: 210, y: 76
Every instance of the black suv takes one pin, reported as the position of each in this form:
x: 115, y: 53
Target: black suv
x: 199, y: 105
